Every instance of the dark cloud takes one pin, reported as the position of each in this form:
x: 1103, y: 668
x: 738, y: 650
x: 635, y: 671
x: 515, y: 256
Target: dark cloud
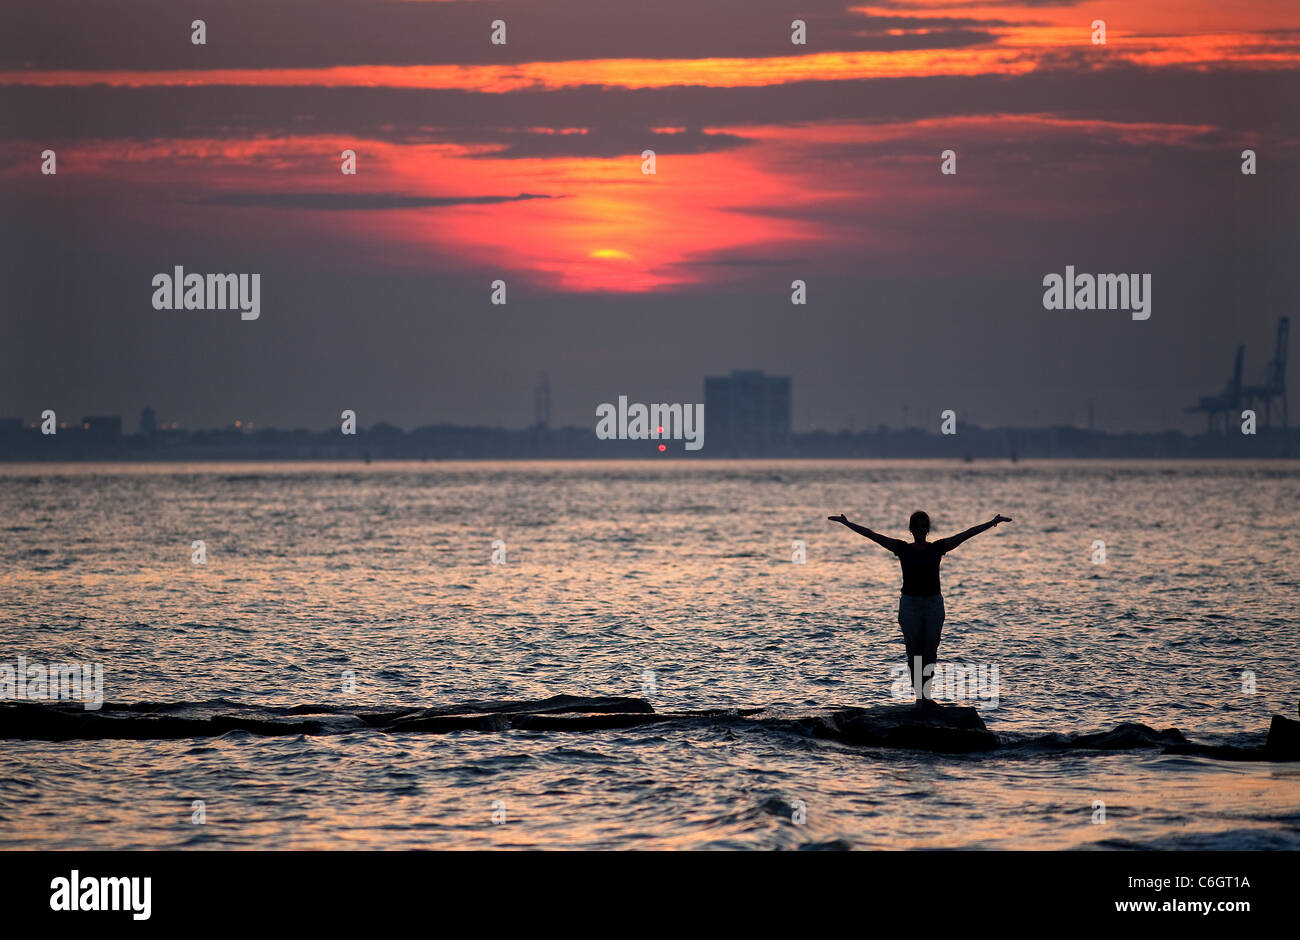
x: 155, y: 34
x: 745, y: 261
x: 1261, y: 102
x: 613, y: 141
x: 342, y: 202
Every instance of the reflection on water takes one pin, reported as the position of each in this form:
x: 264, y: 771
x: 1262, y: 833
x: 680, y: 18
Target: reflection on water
x: 682, y: 569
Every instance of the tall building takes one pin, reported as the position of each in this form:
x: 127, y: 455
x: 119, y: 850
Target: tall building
x: 148, y: 422
x: 747, y: 411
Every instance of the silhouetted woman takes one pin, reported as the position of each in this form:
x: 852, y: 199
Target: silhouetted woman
x: 920, y: 609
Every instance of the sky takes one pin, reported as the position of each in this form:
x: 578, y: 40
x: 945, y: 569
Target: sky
x: 522, y: 162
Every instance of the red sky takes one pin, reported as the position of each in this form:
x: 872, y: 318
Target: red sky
x: 613, y: 227
x: 774, y: 161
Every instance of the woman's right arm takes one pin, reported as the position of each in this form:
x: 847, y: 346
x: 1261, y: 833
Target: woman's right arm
x: 884, y: 541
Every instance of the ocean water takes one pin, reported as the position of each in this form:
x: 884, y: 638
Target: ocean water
x: 671, y: 581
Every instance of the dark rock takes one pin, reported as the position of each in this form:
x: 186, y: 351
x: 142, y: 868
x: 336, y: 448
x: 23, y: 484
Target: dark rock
x: 556, y: 704
x: 444, y: 724
x: 596, y: 722
x: 557, y: 713
x: 1129, y: 735
x: 947, y: 729
x: 67, y: 721
x: 1283, y: 739
x: 1283, y: 744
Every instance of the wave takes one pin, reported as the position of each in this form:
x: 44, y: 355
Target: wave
x: 947, y: 729
x: 1230, y: 840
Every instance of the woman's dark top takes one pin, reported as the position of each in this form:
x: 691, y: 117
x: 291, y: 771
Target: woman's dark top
x: 920, y: 561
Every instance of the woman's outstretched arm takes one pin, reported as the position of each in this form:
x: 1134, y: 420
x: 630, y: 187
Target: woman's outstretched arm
x: 884, y: 541
x: 953, y: 541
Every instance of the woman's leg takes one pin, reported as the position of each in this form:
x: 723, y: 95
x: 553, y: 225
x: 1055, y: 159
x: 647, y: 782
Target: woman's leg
x: 934, y: 615
x: 911, y: 620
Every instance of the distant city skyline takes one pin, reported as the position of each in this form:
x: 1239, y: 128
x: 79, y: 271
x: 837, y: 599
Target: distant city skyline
x: 745, y: 414
x: 562, y: 413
